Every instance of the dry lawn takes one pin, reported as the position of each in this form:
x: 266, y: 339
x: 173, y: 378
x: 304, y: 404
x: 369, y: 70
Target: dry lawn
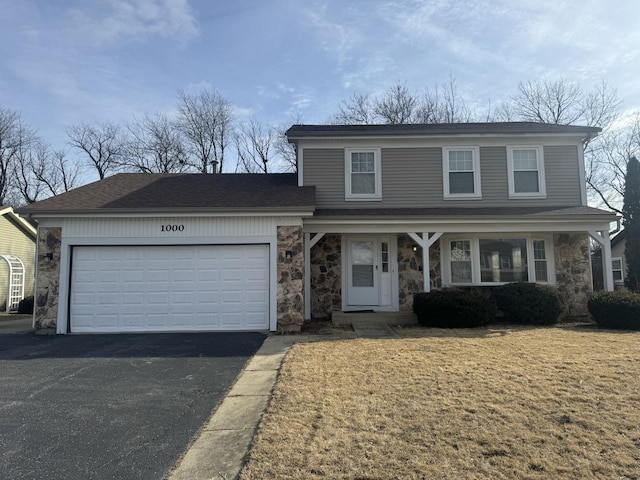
x: 506, y: 403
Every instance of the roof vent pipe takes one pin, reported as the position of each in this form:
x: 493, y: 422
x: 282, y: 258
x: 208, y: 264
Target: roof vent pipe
x: 214, y: 166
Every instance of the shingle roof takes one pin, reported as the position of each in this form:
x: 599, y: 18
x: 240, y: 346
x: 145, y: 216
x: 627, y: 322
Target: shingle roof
x: 486, y: 128
x: 147, y: 192
x: 525, y: 213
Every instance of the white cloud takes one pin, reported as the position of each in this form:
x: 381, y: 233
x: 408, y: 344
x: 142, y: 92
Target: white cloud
x: 125, y: 20
x: 336, y: 39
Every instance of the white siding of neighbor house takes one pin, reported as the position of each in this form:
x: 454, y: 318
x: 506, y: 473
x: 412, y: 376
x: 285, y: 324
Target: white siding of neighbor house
x: 13, y: 241
x: 412, y: 177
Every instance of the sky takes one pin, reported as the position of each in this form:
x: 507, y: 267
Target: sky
x: 64, y: 62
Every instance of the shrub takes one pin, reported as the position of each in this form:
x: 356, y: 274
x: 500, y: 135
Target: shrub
x: 617, y: 310
x: 529, y: 303
x: 453, y: 309
x: 26, y: 305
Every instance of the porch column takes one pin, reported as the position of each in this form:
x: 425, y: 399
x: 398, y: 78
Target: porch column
x: 603, y: 239
x: 308, y: 243
x: 425, y: 243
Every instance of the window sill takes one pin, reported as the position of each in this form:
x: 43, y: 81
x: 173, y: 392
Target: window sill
x: 462, y: 197
x: 525, y: 196
x: 486, y: 284
x: 362, y: 199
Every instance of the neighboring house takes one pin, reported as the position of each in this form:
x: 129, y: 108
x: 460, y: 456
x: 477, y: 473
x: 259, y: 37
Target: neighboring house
x: 374, y: 215
x: 17, y: 259
x: 618, y: 263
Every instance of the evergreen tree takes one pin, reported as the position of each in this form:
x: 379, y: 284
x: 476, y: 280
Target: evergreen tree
x: 631, y: 222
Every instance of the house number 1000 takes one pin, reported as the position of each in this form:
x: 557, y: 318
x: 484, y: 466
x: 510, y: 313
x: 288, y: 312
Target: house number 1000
x: 172, y: 228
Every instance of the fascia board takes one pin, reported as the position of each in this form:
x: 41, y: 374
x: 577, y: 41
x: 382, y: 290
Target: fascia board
x: 172, y: 213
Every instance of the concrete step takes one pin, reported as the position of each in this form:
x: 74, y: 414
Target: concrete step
x: 345, y: 319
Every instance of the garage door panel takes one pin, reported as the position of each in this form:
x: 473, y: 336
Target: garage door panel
x: 170, y: 288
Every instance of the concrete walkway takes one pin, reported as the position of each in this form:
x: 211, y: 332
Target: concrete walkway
x: 14, y: 323
x: 218, y: 452
x: 373, y: 330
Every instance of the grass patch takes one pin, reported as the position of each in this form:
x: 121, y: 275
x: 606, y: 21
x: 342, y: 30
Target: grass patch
x: 456, y: 404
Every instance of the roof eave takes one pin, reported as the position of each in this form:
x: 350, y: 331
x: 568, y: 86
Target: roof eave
x: 36, y: 213
x: 448, y: 218
x: 412, y: 136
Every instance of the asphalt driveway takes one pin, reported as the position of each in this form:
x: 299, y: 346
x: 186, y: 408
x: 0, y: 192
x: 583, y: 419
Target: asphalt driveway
x: 110, y: 406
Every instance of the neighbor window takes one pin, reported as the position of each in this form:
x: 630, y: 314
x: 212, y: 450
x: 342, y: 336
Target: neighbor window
x: 461, y: 172
x: 526, y: 172
x: 362, y: 174
x: 486, y: 260
x: 616, y: 265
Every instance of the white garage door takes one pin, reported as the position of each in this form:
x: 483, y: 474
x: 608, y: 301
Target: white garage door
x: 169, y: 288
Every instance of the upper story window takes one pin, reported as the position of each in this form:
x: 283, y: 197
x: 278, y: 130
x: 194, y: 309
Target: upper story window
x: 363, y: 174
x: 526, y: 172
x: 461, y: 172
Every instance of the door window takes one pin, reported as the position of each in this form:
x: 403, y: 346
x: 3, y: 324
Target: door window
x: 362, y: 258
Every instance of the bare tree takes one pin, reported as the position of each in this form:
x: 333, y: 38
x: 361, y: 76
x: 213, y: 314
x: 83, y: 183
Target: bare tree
x: 606, y: 161
x: 397, y: 106
x: 57, y: 174
x: 358, y: 110
x: 286, y: 151
x: 205, y: 120
x: 15, y: 139
x: 40, y: 173
x: 600, y: 106
x: 28, y: 157
x: 255, y: 144
x: 155, y: 146
x: 548, y: 102
x: 103, y: 145
x: 441, y: 103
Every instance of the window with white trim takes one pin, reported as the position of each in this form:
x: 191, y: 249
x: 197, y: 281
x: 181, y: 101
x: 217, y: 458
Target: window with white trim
x: 541, y: 267
x: 461, y: 261
x: 525, y: 167
x: 505, y: 260
x: 493, y: 259
x: 616, y: 266
x: 461, y: 172
x: 362, y: 174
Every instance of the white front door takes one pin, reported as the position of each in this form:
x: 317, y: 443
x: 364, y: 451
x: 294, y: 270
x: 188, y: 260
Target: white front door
x: 369, y: 268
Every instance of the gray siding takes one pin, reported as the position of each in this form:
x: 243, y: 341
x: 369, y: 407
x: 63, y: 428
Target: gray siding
x: 412, y: 177
x: 562, y: 175
x: 13, y: 241
x: 324, y: 168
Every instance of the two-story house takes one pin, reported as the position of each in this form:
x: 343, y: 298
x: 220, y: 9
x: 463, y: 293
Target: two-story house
x: 407, y: 208
x: 373, y: 215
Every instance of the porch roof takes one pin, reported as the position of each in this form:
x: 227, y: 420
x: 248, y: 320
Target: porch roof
x: 477, y: 213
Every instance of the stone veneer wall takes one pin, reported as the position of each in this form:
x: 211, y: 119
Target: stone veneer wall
x: 290, y: 273
x: 410, y: 275
x: 48, y: 279
x: 573, y: 271
x: 326, y: 277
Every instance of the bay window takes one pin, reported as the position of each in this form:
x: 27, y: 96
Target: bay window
x: 498, y: 259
